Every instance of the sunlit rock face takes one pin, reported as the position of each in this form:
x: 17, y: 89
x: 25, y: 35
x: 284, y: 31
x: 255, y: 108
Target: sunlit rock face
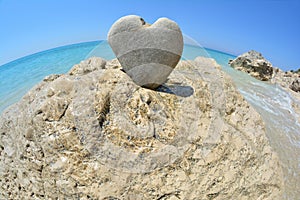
x: 288, y: 80
x: 147, y: 53
x: 255, y: 64
x: 93, y: 133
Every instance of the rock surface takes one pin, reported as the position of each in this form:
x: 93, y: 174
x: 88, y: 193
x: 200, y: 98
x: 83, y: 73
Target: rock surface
x: 94, y: 134
x: 288, y: 80
x: 295, y: 86
x: 147, y: 53
x: 255, y: 64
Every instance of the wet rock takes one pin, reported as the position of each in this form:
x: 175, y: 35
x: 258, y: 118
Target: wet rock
x: 147, y: 53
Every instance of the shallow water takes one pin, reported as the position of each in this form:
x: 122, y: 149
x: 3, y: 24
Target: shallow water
x: 282, y: 126
x: 272, y: 102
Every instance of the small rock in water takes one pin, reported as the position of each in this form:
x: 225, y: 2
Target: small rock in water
x: 147, y: 53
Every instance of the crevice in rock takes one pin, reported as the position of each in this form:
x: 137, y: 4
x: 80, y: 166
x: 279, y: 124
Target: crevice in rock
x: 52, y: 119
x: 104, y: 111
x: 64, y: 112
x: 38, y: 112
x: 168, y: 195
x: 111, y: 198
x: 212, y: 195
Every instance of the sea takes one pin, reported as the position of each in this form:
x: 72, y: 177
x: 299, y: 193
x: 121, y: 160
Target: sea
x: 272, y: 102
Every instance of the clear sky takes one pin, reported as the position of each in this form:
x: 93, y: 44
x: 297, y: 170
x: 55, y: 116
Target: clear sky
x: 271, y: 27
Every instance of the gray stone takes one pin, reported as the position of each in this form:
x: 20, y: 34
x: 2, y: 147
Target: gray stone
x: 147, y: 53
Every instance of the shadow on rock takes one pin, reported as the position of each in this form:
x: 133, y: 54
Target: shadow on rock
x: 179, y: 90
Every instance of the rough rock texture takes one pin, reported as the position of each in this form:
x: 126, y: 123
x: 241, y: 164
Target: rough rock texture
x: 90, y: 65
x: 255, y: 64
x: 288, y: 80
x: 95, y: 134
x: 147, y: 53
x: 295, y: 86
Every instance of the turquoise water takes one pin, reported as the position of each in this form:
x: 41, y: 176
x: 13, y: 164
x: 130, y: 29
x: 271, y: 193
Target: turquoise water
x: 272, y: 102
x: 17, y: 77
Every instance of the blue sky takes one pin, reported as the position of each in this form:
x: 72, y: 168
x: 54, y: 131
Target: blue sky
x: 271, y: 27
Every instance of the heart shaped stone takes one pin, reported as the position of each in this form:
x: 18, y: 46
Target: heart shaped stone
x: 147, y: 53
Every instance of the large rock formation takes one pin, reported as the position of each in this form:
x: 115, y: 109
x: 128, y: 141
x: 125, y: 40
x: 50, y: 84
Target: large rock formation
x: 147, y: 53
x: 255, y: 64
x: 94, y: 134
